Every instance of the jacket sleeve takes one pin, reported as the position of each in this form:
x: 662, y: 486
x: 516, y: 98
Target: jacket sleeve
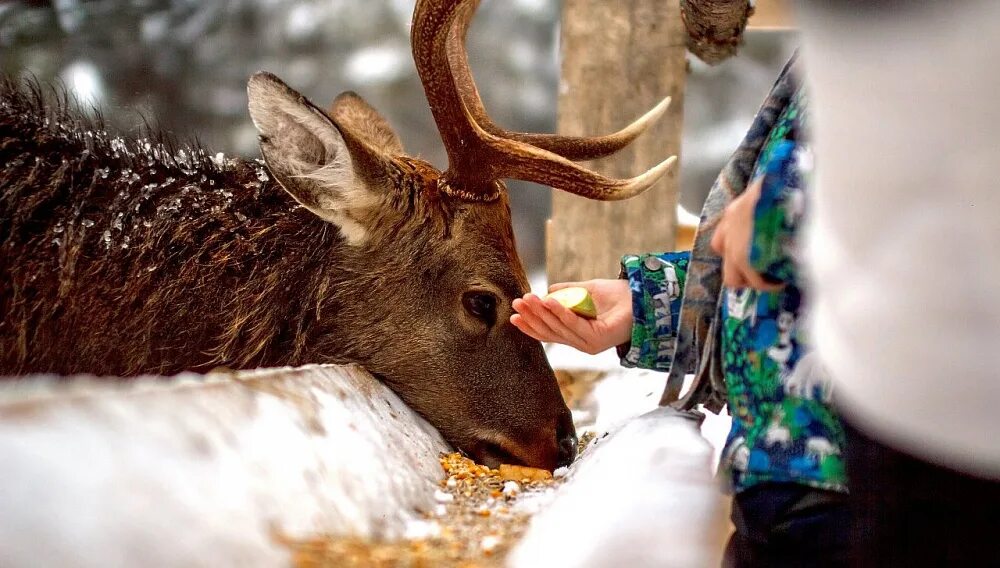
x: 782, y: 169
x: 778, y: 215
x: 657, y: 284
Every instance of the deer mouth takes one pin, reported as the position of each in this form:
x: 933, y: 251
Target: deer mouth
x: 492, y: 455
x: 545, y: 448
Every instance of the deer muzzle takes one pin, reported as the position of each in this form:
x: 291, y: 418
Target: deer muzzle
x: 546, y: 448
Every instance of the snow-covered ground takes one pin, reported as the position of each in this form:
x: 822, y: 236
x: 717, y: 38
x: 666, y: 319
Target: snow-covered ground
x: 206, y: 471
x: 642, y: 496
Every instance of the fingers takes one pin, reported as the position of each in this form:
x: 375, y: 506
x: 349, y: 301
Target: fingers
x: 734, y: 250
x: 588, y: 340
x: 561, y: 285
x: 719, y: 239
x: 740, y: 275
x: 530, y: 321
x: 754, y: 280
x: 547, y: 312
x: 565, y: 319
x: 548, y: 323
x: 520, y: 323
x: 564, y: 315
x: 731, y: 276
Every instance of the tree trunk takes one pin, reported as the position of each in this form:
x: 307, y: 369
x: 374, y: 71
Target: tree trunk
x: 618, y: 59
x: 715, y: 27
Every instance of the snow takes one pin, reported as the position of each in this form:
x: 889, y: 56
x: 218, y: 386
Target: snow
x: 84, y: 79
x: 642, y: 496
x: 196, y: 471
x: 381, y: 64
x: 489, y: 543
x: 419, y: 529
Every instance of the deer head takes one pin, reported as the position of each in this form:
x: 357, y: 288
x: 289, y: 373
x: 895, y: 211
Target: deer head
x: 428, y: 268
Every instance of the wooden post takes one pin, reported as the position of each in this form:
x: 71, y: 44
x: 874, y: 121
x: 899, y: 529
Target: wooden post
x: 772, y: 15
x: 619, y: 58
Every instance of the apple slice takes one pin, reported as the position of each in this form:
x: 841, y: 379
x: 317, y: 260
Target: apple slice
x: 576, y: 299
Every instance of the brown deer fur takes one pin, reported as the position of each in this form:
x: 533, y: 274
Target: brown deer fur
x: 121, y: 257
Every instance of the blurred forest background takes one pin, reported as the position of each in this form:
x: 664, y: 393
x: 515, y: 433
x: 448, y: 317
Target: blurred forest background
x: 183, y: 65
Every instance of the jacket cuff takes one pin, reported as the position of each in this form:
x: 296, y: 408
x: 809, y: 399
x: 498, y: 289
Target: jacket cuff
x: 656, y: 281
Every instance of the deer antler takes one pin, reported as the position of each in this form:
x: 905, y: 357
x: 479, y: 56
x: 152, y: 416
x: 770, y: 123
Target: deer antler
x: 576, y: 148
x: 481, y: 153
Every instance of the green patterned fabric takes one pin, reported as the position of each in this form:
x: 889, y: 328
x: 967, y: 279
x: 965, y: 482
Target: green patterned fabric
x: 784, y: 429
x: 781, y: 206
x: 755, y: 357
x: 657, y: 284
x: 698, y: 332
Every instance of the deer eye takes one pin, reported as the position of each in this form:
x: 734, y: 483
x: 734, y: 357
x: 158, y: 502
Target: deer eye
x: 481, y: 305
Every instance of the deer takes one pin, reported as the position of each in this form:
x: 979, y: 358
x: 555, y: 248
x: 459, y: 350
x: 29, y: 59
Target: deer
x: 128, y: 256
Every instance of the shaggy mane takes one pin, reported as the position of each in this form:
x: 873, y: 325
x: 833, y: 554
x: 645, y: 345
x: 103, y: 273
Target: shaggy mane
x: 129, y: 239
x: 55, y: 110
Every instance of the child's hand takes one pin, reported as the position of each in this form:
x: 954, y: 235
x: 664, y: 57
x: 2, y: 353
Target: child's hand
x: 732, y: 242
x: 547, y: 320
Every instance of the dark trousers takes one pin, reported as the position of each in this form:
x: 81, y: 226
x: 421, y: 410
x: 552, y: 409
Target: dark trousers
x: 908, y: 512
x: 787, y: 524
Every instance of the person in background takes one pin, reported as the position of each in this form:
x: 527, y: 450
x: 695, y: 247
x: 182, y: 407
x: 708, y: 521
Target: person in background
x: 784, y: 457
x: 904, y: 253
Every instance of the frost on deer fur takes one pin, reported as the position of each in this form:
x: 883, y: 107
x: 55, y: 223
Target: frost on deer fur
x: 198, y: 471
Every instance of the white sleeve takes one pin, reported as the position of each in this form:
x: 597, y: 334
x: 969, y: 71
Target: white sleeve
x: 904, y: 243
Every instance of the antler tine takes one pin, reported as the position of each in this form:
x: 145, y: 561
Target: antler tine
x: 519, y: 160
x: 576, y: 148
x: 592, y: 185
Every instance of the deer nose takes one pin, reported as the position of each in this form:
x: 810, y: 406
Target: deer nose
x: 546, y: 448
x: 566, y: 441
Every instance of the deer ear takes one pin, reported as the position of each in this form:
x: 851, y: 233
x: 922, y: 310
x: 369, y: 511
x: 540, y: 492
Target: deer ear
x: 351, y: 112
x: 312, y: 159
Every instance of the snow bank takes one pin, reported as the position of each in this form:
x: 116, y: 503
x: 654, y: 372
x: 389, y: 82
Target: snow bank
x: 643, y: 495
x: 206, y: 471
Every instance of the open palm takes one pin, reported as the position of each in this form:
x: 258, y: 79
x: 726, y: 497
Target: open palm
x: 547, y: 320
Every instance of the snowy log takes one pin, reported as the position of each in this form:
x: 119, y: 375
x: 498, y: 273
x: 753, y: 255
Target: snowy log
x: 642, y: 496
x: 205, y: 471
